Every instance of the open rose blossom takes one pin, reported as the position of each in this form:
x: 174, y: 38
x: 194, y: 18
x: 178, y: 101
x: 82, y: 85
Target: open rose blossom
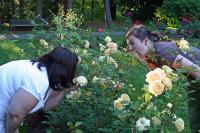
x: 118, y: 104
x: 184, y: 45
x: 142, y: 124
x: 108, y: 39
x: 157, y: 74
x: 167, y: 83
x: 81, y: 80
x: 125, y: 98
x: 179, y: 123
x: 156, y: 88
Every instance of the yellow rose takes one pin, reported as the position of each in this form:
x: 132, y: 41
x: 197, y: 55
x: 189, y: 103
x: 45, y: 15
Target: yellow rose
x: 157, y: 74
x: 112, y: 45
x: 167, y: 83
x: 156, y: 87
x: 108, y: 51
x: 113, y: 50
x: 156, y: 120
x: 118, y: 104
x: 184, y: 45
x: 110, y: 60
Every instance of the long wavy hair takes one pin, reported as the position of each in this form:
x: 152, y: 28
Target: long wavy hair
x: 61, y: 65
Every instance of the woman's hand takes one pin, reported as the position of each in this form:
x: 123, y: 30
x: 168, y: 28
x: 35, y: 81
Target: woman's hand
x: 56, y: 96
x: 73, y: 88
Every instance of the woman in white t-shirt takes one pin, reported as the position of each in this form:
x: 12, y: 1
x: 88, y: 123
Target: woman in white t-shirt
x: 29, y: 85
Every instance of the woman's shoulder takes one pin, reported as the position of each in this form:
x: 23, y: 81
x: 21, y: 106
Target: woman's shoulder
x: 165, y: 44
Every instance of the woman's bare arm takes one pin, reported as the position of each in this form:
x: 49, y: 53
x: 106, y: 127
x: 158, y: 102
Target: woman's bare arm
x: 193, y: 69
x: 55, y: 98
x: 22, y: 103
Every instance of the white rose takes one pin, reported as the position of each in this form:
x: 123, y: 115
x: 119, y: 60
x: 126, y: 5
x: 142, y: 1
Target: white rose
x: 87, y: 44
x: 102, y: 47
x: 84, y: 51
x: 116, y: 65
x: 142, y: 124
x: 179, y: 123
x: 170, y: 105
x: 125, y: 98
x: 94, y: 79
x: 102, y: 58
x: 108, y: 39
x: 81, y: 80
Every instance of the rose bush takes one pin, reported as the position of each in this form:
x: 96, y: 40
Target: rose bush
x: 114, y: 96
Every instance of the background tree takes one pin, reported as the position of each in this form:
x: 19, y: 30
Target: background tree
x: 39, y: 8
x: 108, y: 16
x: 68, y: 4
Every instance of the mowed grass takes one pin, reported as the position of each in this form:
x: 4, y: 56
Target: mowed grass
x: 15, y: 50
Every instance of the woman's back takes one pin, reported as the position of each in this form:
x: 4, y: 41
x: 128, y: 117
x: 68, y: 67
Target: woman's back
x: 21, y: 74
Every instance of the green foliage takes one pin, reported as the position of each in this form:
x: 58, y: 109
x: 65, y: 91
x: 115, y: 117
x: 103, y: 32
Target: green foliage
x: 181, y: 8
x: 172, y: 11
x: 93, y: 106
x: 191, y: 29
x: 171, y: 22
x: 69, y: 20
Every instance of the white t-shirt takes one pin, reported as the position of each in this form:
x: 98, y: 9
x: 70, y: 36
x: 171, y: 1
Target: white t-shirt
x: 22, y: 74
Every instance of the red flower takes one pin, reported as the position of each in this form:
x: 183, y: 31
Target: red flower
x: 100, y: 30
x: 189, y: 31
x: 138, y: 23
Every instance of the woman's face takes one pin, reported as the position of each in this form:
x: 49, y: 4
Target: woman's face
x: 137, y: 45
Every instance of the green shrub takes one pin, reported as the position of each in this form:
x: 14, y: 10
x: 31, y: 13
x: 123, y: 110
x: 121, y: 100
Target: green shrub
x: 172, y: 11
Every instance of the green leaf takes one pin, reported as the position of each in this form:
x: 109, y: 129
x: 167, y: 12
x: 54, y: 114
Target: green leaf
x: 78, y: 131
x: 78, y: 123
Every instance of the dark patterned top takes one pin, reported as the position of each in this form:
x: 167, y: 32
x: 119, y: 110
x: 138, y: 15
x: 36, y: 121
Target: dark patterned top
x: 168, y: 51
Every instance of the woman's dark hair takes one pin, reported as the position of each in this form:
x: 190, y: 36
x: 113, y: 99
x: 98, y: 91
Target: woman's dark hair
x: 142, y: 32
x: 61, y: 66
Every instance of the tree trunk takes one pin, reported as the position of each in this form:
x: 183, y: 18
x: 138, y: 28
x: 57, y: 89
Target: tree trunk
x: 108, y: 13
x: 13, y: 7
x: 38, y: 5
x: 21, y: 8
x: 113, y: 9
x: 68, y: 5
x: 92, y: 10
x: 83, y: 7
